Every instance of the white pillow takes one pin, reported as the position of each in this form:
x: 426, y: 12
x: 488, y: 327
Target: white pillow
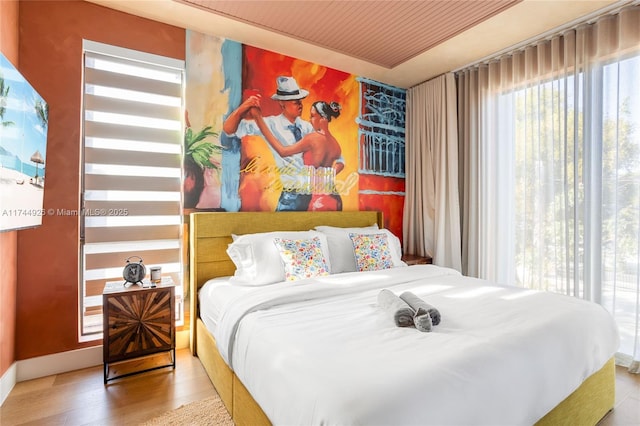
x: 341, y: 254
x: 257, y: 257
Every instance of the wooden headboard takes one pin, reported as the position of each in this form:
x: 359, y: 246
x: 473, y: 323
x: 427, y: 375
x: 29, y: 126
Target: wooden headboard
x: 210, y: 234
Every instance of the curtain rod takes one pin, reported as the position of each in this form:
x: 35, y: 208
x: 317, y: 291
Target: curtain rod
x: 587, y: 19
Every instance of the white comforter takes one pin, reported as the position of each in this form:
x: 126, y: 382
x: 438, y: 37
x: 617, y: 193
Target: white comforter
x: 321, y: 352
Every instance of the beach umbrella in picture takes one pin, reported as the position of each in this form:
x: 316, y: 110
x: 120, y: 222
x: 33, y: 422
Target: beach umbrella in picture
x: 37, y: 158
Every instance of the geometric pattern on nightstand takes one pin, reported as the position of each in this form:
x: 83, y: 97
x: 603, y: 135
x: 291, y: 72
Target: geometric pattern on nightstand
x: 139, y: 323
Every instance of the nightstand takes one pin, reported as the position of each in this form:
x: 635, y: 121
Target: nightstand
x: 412, y: 259
x: 138, y: 322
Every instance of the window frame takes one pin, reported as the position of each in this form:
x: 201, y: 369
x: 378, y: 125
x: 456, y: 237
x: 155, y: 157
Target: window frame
x: 128, y: 56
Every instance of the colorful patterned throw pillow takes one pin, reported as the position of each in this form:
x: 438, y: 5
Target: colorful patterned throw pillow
x: 371, y: 251
x: 302, y: 258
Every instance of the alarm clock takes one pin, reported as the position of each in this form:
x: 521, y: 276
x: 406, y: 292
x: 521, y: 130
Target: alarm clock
x: 134, y: 272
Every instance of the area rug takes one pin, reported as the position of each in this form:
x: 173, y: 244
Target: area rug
x: 209, y: 411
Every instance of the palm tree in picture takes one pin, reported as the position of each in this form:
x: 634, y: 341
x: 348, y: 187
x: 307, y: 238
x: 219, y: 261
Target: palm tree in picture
x: 42, y: 112
x: 4, y: 94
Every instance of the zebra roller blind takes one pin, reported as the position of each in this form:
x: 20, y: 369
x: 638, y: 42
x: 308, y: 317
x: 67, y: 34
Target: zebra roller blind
x: 132, y: 156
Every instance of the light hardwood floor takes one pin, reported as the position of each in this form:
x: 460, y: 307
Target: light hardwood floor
x: 627, y: 407
x: 80, y: 398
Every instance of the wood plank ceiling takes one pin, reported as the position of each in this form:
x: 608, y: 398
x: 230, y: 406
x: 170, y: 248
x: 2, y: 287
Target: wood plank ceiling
x: 386, y: 33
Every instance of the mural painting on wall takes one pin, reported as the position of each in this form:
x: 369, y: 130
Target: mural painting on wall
x: 268, y: 132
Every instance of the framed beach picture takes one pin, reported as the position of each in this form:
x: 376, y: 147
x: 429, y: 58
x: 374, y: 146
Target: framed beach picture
x: 23, y: 147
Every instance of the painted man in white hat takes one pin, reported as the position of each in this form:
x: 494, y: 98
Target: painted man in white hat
x: 289, y: 128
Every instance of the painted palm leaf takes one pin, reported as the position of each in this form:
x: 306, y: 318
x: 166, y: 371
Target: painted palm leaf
x: 199, y: 149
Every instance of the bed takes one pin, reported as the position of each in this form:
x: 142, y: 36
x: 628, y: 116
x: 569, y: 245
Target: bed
x: 258, y: 362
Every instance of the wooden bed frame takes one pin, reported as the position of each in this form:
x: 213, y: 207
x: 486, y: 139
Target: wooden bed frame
x: 209, y: 236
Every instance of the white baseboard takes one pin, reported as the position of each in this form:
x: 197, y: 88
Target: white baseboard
x: 7, y: 382
x: 63, y: 362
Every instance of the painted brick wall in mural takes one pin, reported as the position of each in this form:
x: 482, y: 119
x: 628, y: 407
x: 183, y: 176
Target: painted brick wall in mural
x: 268, y: 132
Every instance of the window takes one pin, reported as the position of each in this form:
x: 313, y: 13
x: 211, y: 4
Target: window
x: 381, y: 129
x: 551, y: 155
x: 577, y: 188
x: 131, y: 172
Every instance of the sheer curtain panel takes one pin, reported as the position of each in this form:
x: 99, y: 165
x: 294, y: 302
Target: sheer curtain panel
x: 431, y: 209
x: 550, y: 168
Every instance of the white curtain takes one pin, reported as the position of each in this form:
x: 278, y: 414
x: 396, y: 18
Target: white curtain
x: 431, y: 222
x: 550, y: 161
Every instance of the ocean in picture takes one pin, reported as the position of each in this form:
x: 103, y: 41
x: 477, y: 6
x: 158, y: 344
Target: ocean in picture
x: 23, y: 148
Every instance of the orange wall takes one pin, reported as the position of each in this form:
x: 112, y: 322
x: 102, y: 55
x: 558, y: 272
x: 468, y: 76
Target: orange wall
x: 8, y: 240
x: 384, y: 195
x: 50, y: 46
